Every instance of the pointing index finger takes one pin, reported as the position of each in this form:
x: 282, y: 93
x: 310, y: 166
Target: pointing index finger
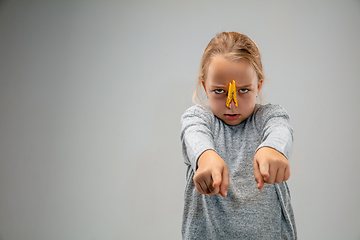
x: 264, y: 170
x: 216, y: 177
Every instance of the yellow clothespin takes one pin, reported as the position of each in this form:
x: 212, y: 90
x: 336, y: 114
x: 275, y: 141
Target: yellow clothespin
x: 231, y: 94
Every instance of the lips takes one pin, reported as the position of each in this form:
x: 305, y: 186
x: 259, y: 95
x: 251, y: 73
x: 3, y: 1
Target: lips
x: 232, y: 116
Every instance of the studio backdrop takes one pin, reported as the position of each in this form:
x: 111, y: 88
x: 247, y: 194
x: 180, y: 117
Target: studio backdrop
x: 91, y: 95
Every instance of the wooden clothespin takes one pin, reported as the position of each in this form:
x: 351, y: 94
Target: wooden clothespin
x: 231, y: 94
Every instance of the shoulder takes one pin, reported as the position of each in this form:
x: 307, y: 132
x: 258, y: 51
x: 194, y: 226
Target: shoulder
x: 197, y: 111
x: 269, y: 113
x: 197, y: 116
x: 270, y: 110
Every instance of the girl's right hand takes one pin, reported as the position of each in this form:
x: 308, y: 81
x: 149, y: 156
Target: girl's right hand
x: 212, y: 175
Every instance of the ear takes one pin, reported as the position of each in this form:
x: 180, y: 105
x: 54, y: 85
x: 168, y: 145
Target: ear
x: 260, y: 84
x: 203, y: 83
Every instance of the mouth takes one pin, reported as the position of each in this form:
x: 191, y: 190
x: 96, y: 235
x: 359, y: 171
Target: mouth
x: 232, y: 116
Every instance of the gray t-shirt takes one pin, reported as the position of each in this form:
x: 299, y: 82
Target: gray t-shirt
x: 246, y: 212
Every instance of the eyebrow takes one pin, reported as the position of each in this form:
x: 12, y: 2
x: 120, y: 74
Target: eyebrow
x: 219, y: 86
x: 245, y: 86
x: 223, y: 86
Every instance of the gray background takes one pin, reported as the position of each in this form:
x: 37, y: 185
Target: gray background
x: 91, y: 94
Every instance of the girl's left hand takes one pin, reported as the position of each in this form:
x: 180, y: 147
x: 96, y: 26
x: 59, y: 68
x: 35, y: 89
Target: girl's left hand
x: 270, y: 166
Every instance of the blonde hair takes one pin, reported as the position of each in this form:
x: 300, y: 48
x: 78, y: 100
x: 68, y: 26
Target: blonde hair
x: 234, y: 47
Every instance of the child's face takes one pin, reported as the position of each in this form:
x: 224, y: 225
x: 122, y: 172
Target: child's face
x: 220, y: 73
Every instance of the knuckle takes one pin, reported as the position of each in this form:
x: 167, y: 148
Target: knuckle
x: 277, y: 161
x: 270, y: 180
x: 199, y: 190
x: 278, y: 181
x: 195, y: 178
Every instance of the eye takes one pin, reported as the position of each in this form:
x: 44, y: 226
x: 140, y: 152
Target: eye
x: 244, y: 90
x: 219, y: 91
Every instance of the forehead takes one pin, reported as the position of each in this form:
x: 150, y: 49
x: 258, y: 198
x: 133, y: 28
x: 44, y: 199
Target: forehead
x: 222, y: 71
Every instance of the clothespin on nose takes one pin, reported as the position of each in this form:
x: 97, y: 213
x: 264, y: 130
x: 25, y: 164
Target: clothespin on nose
x: 231, y: 94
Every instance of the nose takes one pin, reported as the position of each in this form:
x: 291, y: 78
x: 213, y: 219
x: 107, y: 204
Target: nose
x: 232, y: 104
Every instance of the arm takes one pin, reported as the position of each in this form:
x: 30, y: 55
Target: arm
x: 271, y: 159
x: 196, y: 135
x: 211, y: 174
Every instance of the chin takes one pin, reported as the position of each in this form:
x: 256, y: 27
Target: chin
x: 232, y: 123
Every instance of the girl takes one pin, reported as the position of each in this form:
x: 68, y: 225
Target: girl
x: 233, y: 148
